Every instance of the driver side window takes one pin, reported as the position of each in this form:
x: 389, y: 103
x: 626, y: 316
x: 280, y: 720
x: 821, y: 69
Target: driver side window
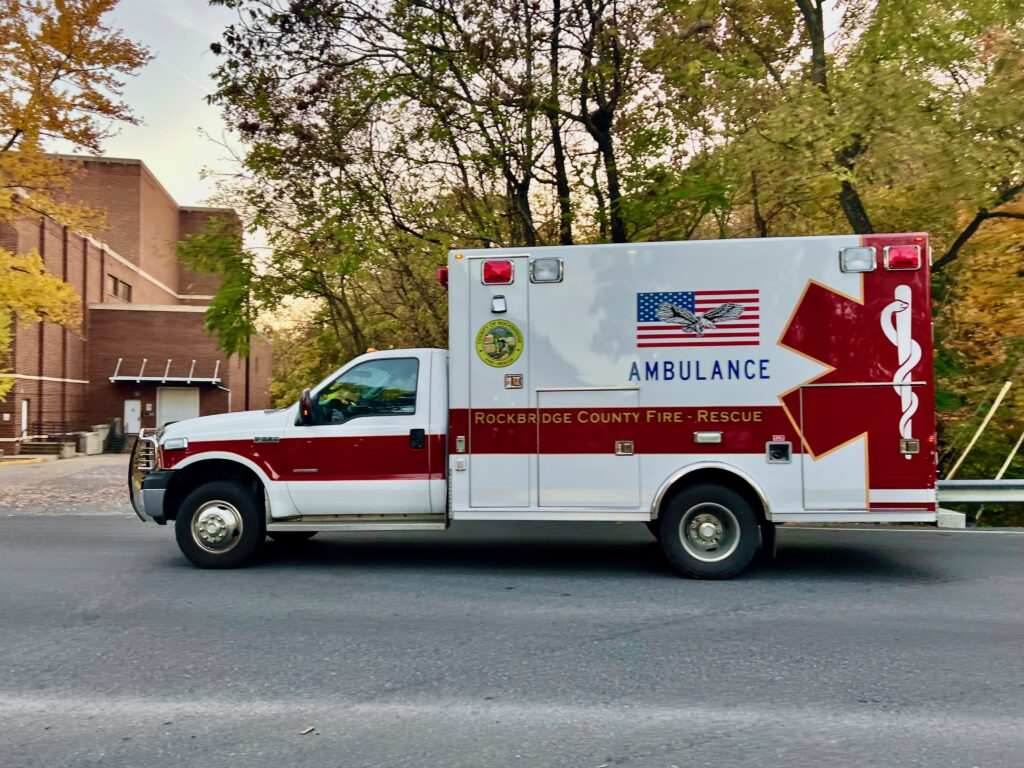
x: 375, y: 388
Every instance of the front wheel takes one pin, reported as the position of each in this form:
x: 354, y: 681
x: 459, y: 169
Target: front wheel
x: 709, y: 532
x: 220, y: 525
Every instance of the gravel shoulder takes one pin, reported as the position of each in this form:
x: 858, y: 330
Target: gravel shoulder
x: 87, y: 485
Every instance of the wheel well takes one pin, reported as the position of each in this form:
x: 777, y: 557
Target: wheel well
x: 716, y: 476
x: 191, y: 477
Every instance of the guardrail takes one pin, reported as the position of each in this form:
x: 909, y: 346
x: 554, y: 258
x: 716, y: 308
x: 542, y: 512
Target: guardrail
x: 980, y: 491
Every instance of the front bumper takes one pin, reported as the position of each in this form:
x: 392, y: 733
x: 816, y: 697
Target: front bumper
x: 149, y: 500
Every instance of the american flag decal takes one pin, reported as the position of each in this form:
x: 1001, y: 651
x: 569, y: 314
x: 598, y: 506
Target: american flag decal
x: 698, y: 319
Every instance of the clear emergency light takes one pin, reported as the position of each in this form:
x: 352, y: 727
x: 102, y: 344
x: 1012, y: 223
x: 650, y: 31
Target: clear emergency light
x: 546, y: 270
x: 859, y: 258
x: 497, y: 272
x: 902, y: 257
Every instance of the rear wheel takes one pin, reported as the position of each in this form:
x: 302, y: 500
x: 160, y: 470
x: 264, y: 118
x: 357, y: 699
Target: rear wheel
x: 220, y: 525
x: 709, y: 532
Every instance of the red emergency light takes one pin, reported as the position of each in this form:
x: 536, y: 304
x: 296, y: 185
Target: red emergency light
x: 902, y: 257
x: 442, y: 276
x: 497, y: 272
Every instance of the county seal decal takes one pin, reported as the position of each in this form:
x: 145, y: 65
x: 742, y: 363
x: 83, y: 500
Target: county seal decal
x: 499, y: 343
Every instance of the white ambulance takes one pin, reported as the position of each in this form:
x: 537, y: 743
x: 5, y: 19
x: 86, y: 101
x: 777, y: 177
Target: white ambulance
x: 710, y: 389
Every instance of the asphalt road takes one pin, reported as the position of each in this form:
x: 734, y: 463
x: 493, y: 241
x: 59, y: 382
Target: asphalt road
x: 498, y: 645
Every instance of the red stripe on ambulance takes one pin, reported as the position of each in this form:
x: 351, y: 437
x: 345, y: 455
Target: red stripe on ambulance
x: 745, y: 429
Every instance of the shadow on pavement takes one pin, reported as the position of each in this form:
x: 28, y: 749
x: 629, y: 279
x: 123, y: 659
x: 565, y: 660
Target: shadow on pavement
x: 601, y: 558
x: 840, y: 562
x: 472, y: 557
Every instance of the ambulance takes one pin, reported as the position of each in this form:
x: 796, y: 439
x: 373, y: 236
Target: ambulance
x: 709, y: 389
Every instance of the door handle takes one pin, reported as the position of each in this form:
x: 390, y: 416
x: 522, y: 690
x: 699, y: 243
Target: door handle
x: 417, y: 438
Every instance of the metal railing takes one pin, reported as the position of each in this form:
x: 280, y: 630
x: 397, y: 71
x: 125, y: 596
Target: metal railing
x: 980, y: 491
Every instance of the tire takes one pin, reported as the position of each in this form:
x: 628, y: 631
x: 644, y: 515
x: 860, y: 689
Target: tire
x: 709, y: 532
x: 652, y: 526
x: 291, y: 537
x: 220, y: 525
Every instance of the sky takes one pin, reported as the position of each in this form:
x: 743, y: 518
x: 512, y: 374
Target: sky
x: 168, y: 94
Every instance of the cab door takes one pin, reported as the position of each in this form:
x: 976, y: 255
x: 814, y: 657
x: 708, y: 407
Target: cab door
x: 370, y: 450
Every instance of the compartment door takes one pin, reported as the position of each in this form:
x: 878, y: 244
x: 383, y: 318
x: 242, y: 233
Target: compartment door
x: 579, y: 432
x: 502, y: 437
x: 855, y: 459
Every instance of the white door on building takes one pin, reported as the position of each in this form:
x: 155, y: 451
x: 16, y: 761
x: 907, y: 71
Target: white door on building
x: 176, y: 404
x: 24, y: 418
x: 132, y: 417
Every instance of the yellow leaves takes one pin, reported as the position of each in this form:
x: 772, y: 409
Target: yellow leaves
x: 5, y: 343
x: 61, y: 69
x: 32, y: 294
x: 60, y: 81
x: 33, y: 180
x: 982, y: 323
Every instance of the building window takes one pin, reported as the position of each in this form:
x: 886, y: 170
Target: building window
x: 119, y: 288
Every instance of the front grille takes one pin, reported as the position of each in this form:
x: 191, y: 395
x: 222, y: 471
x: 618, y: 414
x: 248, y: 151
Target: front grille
x: 145, y: 453
x: 145, y: 460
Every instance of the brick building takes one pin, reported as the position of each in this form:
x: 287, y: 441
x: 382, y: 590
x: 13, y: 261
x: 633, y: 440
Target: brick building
x: 142, y: 353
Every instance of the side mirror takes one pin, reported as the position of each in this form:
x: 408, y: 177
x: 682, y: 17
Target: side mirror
x: 305, y: 408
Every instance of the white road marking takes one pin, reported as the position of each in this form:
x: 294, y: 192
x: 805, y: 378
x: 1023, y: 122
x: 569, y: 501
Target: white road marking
x: 989, y: 531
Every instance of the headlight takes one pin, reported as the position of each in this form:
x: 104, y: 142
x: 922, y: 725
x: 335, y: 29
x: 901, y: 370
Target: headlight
x: 175, y: 444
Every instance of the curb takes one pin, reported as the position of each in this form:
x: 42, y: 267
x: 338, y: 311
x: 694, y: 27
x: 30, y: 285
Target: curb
x: 33, y: 460
x: 947, y: 518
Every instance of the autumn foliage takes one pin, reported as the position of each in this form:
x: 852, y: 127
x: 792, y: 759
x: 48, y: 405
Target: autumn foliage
x: 61, y: 70
x: 377, y: 135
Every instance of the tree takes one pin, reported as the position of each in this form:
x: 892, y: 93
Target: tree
x: 377, y: 135
x: 60, y: 66
x: 31, y: 295
x: 899, y: 118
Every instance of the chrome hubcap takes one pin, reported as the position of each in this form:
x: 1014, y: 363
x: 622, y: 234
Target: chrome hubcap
x: 217, y: 526
x: 709, y: 532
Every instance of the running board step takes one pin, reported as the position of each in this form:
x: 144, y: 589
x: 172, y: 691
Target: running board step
x: 355, y: 525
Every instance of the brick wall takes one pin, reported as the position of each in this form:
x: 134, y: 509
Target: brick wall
x: 192, y: 221
x: 112, y: 188
x: 158, y: 235
x: 156, y: 336
x: 260, y: 363
x: 64, y: 374
x: 9, y: 413
x: 143, y: 225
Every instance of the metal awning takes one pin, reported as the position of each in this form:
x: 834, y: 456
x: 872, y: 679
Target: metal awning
x: 141, y: 376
